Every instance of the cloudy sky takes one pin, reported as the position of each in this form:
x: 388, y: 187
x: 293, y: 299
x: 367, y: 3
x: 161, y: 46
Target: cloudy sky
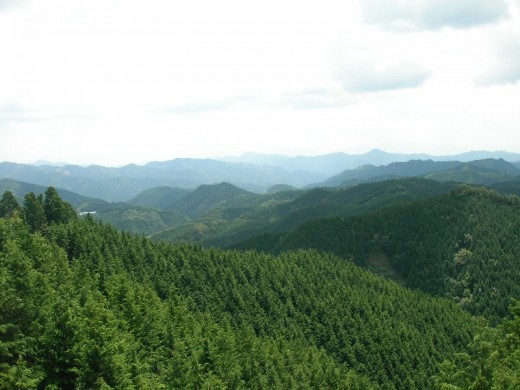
x: 119, y: 81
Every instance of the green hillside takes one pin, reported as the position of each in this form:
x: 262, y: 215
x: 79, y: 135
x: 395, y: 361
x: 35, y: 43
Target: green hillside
x: 159, y: 197
x: 286, y: 210
x: 463, y: 245
x: 207, y: 198
x: 142, y: 220
x: 485, y: 172
x: 84, y: 306
x: 508, y: 187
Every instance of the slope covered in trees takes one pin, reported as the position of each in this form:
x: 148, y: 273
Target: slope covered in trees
x: 464, y: 245
x: 492, y: 361
x: 159, y: 197
x: 284, y: 211
x: 84, y: 306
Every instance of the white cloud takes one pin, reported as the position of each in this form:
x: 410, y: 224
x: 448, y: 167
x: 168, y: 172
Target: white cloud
x: 359, y: 69
x: 366, y: 76
x: 405, y: 15
x: 506, y: 66
x: 314, y: 98
x: 166, y: 79
x: 9, y: 4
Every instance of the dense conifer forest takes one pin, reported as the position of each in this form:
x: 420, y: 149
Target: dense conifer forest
x: 464, y: 245
x: 85, y: 306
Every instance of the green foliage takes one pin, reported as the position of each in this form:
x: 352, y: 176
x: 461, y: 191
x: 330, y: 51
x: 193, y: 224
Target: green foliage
x: 492, y: 362
x: 8, y: 205
x: 84, y: 306
x: 159, y: 197
x: 136, y: 219
x: 55, y: 209
x: 463, y: 245
x: 284, y: 211
x: 208, y: 197
x: 33, y: 212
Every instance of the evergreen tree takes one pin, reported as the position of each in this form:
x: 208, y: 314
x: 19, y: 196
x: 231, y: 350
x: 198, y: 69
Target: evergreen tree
x: 33, y: 212
x: 56, y: 210
x: 8, y: 205
x: 492, y: 362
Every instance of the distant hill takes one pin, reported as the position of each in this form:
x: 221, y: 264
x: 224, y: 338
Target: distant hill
x: 209, y: 197
x: 286, y: 210
x: 383, y: 172
x: 135, y: 219
x: 508, y: 187
x: 280, y: 188
x: 334, y: 163
x: 463, y: 245
x: 159, y: 197
x: 486, y: 171
x: 253, y: 172
x: 124, y: 183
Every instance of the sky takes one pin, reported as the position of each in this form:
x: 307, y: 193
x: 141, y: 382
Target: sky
x: 118, y: 81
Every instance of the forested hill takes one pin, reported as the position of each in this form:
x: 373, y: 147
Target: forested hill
x: 464, y: 245
x: 483, y: 172
x: 245, y: 217
x: 85, y: 306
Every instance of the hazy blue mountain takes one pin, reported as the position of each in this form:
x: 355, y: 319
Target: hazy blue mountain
x: 482, y: 155
x: 159, y: 197
x: 383, y: 172
x: 116, y: 184
x: 44, y: 162
x: 334, y: 163
x: 486, y: 171
x: 257, y: 159
x: 124, y: 183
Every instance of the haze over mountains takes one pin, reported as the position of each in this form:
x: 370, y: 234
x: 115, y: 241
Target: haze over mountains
x: 330, y: 163
x: 218, y: 202
x: 253, y: 172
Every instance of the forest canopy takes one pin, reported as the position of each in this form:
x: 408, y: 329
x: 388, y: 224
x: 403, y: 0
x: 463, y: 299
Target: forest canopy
x: 85, y: 306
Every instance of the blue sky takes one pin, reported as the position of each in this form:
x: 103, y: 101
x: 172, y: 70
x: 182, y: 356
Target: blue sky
x: 119, y: 81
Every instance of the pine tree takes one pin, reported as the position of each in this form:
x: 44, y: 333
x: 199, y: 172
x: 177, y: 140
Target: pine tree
x: 8, y: 205
x: 33, y: 212
x: 56, y: 210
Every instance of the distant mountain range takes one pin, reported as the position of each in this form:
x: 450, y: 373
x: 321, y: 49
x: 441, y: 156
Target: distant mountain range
x: 487, y: 171
x: 259, y: 173
x: 331, y: 164
x: 124, y: 183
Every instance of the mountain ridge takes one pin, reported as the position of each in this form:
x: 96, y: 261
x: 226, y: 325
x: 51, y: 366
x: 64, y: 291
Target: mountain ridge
x: 493, y: 170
